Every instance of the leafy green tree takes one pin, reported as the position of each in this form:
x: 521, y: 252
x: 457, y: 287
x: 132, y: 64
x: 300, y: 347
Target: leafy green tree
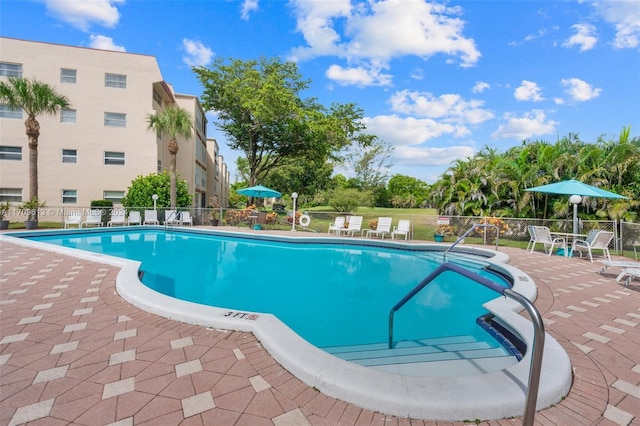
x: 142, y: 188
x: 348, y: 200
x: 402, y: 186
x: 261, y: 110
x: 371, y: 164
x: 172, y: 121
x: 307, y: 178
x: 35, y: 98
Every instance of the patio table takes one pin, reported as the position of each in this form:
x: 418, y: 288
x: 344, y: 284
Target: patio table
x: 568, y: 235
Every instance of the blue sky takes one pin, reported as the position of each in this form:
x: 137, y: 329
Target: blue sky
x: 437, y: 80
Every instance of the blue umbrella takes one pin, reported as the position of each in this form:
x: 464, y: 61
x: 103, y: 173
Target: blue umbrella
x: 573, y: 187
x: 259, y: 191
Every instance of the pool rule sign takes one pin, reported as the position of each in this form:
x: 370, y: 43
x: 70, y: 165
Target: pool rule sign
x: 443, y: 220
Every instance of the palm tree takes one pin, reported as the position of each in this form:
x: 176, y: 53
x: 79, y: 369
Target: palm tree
x: 35, y: 98
x: 172, y: 121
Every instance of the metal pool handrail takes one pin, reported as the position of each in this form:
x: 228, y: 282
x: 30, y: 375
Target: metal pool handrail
x: 537, y: 345
x: 476, y: 225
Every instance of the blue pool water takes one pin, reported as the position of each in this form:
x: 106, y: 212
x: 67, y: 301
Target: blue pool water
x: 329, y: 294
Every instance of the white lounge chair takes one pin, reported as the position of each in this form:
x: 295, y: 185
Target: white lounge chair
x: 171, y: 217
x: 134, y: 218
x: 629, y: 274
x: 118, y: 218
x: 618, y: 264
x: 94, y: 218
x: 355, y: 225
x: 542, y: 235
x: 403, y: 228
x: 186, y: 219
x: 599, y: 242
x: 383, y: 228
x: 151, y: 217
x: 74, y: 217
x: 337, y: 225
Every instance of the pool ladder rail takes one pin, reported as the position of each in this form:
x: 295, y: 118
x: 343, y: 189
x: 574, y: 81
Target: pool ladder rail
x: 475, y: 226
x: 534, y: 314
x: 173, y: 220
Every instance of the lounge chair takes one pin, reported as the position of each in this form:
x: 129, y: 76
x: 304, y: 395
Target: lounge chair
x: 618, y: 264
x: 186, y: 219
x: 355, y: 225
x: 74, y: 217
x: 383, y: 228
x: 94, y: 218
x: 629, y: 273
x: 599, y: 242
x: 171, y: 217
x: 337, y: 225
x: 118, y: 218
x: 542, y: 235
x: 403, y: 228
x: 151, y: 217
x: 134, y: 218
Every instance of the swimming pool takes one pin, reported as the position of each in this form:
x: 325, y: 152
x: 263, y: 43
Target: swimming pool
x: 496, y: 394
x: 331, y: 295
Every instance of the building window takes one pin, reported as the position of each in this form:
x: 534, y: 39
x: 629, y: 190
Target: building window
x: 12, y: 195
x: 157, y: 97
x: 114, y: 158
x: 159, y: 166
x: 115, y: 196
x: 115, y: 80
x: 69, y: 155
x: 7, y: 112
x: 68, y: 115
x: 11, y: 153
x: 115, y: 119
x: 8, y: 69
x: 69, y: 196
x: 68, y: 75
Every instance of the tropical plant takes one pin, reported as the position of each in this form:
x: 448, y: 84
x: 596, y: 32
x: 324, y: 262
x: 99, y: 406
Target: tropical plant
x: 4, y: 209
x: 444, y: 230
x: 172, y: 121
x: 31, y: 207
x: 35, y: 98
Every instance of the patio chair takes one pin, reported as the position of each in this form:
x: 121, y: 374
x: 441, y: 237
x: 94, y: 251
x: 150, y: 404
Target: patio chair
x: 134, y: 218
x: 383, y: 228
x: 118, y: 218
x: 171, y: 217
x: 629, y: 273
x: 599, y: 242
x: 337, y: 225
x: 403, y: 228
x: 355, y: 225
x: 542, y: 235
x: 74, y: 217
x: 618, y: 264
x: 186, y: 219
x: 532, y: 236
x: 151, y: 217
x: 94, y: 218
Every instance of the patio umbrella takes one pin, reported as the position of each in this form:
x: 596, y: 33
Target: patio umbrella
x: 573, y: 187
x: 259, y: 191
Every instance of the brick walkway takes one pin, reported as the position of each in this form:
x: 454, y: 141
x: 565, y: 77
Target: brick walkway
x: 73, y: 352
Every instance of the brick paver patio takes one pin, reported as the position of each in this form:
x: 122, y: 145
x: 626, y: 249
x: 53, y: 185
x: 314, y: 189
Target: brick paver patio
x: 72, y: 352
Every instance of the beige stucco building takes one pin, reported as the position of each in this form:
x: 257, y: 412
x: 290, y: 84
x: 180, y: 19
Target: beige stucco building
x: 95, y: 148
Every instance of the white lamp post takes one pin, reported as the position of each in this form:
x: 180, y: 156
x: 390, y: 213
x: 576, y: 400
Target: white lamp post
x: 294, y: 197
x: 155, y: 199
x: 575, y: 200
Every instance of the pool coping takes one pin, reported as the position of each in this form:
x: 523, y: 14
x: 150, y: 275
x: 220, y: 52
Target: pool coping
x: 488, y: 396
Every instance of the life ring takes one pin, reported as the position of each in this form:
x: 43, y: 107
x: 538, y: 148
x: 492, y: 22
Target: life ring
x: 305, y: 220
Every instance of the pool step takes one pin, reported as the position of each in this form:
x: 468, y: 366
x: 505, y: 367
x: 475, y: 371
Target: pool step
x: 446, y: 357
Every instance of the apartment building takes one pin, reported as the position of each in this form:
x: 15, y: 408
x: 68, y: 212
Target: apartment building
x: 96, y: 147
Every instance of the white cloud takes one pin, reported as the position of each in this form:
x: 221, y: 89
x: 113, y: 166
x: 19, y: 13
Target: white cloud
x: 531, y: 124
x: 449, y: 108
x: 579, y: 90
x: 104, y: 43
x: 357, y: 76
x: 528, y: 91
x: 406, y: 131
x: 197, y: 54
x: 480, y: 87
x: 82, y: 14
x: 584, y: 37
x: 248, y: 6
x: 369, y: 35
x: 416, y: 156
x: 625, y: 17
